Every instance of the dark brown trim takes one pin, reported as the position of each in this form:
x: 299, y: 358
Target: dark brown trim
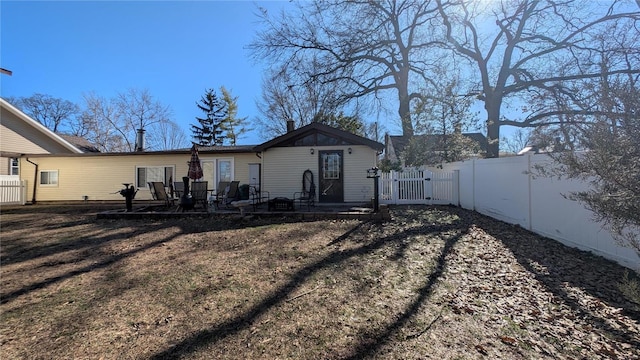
x: 315, y: 128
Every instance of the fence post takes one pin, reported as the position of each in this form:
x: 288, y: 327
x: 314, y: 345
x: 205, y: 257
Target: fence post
x: 456, y: 187
x: 23, y: 192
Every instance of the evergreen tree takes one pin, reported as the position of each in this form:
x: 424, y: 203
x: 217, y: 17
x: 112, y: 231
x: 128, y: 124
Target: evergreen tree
x: 211, y: 126
x: 351, y: 124
x: 232, y: 125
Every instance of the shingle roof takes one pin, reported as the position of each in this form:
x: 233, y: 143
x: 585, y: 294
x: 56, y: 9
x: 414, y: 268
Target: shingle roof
x: 80, y: 142
x: 318, y: 127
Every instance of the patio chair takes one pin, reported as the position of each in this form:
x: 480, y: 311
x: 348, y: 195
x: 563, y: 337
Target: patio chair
x: 308, y: 193
x: 178, y: 189
x: 158, y: 192
x: 230, y: 193
x: 199, y: 192
x: 257, y: 196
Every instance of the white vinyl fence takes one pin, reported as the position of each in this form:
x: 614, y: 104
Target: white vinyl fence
x: 508, y: 189
x: 419, y: 187
x: 13, y: 192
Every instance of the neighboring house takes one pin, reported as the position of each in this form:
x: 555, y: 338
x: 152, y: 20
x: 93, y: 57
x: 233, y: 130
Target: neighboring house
x: 80, y: 142
x: 338, y: 160
x: 20, y: 134
x: 395, y: 145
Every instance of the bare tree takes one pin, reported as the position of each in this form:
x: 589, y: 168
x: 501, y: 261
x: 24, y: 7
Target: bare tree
x: 137, y: 109
x: 611, y: 162
x: 283, y: 100
x: 441, y: 117
x: 112, y: 122
x: 102, y: 121
x: 540, y: 53
x: 54, y: 113
x: 518, y: 141
x: 359, y: 48
x: 166, y: 135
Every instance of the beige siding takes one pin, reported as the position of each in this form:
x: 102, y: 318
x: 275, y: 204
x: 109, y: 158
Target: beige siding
x: 101, y: 177
x: 283, y: 168
x: 357, y: 187
x: 18, y: 136
x: 4, y: 166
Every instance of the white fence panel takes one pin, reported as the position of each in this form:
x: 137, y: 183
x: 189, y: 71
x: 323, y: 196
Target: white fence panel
x: 506, y: 189
x: 13, y: 192
x: 418, y: 187
x: 444, y: 185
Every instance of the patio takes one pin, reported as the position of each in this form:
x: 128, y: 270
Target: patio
x: 153, y: 210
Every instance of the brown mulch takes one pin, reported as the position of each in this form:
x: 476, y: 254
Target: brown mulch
x: 436, y: 282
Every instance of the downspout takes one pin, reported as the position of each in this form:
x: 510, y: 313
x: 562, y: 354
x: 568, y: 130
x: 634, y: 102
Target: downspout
x: 35, y: 180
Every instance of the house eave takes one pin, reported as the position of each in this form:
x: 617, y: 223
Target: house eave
x: 355, y: 139
x: 39, y: 127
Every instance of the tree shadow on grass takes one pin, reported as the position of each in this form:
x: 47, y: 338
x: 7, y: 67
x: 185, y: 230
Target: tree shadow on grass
x: 103, y: 262
x: 89, y: 247
x: 558, y: 267
x: 233, y: 326
x: 19, y: 250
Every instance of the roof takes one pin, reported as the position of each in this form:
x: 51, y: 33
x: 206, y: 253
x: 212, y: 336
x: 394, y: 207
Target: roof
x: 395, y: 145
x: 224, y: 148
x: 202, y: 150
x: 290, y: 138
x: 400, y: 142
x: 80, y: 142
x: 38, y: 126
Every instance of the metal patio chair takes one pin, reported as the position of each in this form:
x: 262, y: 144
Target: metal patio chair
x: 158, y: 192
x: 308, y: 193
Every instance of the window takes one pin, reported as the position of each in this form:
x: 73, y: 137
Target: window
x: 14, y: 167
x: 217, y: 170
x: 49, y: 177
x: 331, y: 166
x: 225, y: 172
x: 145, y: 174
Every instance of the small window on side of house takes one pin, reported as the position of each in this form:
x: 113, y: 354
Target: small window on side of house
x: 49, y: 177
x: 14, y: 167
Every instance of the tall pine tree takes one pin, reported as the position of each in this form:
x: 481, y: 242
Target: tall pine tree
x: 233, y: 125
x: 211, y: 126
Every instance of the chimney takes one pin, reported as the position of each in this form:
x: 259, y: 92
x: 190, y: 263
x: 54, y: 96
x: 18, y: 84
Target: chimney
x: 290, y: 126
x: 140, y: 140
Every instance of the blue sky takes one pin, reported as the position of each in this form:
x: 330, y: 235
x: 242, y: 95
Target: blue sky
x: 176, y: 50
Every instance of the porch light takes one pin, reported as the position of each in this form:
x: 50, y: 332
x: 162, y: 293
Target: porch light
x: 350, y: 150
x: 311, y: 151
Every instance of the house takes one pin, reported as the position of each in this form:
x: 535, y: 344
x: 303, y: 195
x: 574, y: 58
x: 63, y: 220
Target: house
x: 338, y: 160
x: 20, y: 134
x: 395, y: 145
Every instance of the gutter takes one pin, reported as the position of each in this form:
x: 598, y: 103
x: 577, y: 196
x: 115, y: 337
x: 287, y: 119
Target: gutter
x: 35, y: 181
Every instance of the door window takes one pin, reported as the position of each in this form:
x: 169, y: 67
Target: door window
x: 331, y: 166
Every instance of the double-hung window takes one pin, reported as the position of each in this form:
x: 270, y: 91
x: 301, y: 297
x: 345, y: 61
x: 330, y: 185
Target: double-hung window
x: 14, y: 167
x: 145, y: 174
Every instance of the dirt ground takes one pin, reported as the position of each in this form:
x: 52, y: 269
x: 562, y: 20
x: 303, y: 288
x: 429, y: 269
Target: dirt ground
x: 434, y: 283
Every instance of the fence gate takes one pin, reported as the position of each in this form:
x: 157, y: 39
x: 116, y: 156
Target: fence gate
x: 13, y: 192
x: 419, y: 187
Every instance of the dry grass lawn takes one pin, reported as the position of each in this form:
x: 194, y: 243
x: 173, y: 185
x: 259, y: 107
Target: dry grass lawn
x: 435, y: 283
